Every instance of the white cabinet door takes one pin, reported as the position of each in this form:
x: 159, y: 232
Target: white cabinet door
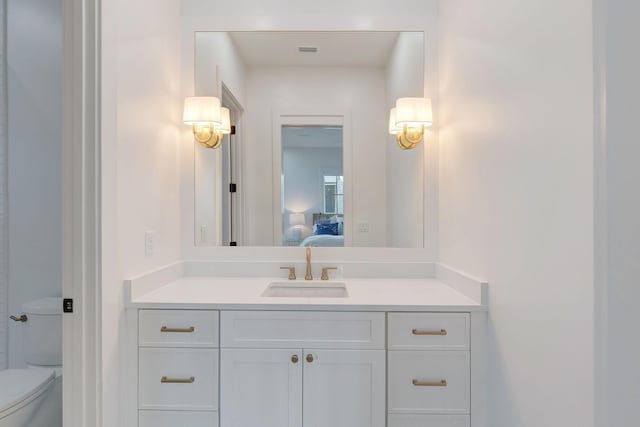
x: 344, y: 388
x: 177, y: 419
x: 413, y: 420
x: 261, y: 388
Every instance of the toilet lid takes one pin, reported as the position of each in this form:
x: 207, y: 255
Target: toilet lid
x: 17, y: 385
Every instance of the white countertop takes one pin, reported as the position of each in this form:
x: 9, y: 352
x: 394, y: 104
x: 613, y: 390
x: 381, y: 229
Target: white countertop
x: 244, y: 293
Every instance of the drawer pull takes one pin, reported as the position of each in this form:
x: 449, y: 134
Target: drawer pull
x: 419, y: 332
x: 166, y: 380
x: 186, y: 330
x: 442, y: 383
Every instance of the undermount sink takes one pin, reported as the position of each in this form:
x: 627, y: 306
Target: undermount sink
x: 306, y: 289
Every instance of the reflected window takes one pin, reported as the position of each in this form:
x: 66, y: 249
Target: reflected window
x: 333, y: 194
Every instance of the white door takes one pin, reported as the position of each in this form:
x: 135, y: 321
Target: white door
x: 344, y: 388
x: 261, y: 388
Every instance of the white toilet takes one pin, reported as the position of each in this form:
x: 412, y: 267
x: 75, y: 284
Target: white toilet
x: 32, y: 397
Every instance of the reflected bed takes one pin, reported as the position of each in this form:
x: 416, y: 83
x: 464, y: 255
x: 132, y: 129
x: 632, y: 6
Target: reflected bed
x: 325, y: 240
x: 330, y: 237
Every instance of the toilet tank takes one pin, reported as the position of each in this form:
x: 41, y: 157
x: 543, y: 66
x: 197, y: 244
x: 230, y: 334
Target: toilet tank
x: 43, y: 332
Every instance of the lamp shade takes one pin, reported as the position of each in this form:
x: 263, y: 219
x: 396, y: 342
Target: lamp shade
x: 393, y: 128
x: 225, y: 121
x: 201, y: 110
x: 413, y: 112
x: 296, y: 219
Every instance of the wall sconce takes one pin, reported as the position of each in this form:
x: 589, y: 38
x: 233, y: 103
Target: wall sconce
x: 408, y: 120
x: 210, y: 121
x: 296, y: 219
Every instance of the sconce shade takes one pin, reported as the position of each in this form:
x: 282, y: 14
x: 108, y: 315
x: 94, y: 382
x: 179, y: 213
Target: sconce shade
x: 201, y: 110
x: 413, y: 112
x: 296, y: 219
x: 225, y: 121
x: 393, y: 128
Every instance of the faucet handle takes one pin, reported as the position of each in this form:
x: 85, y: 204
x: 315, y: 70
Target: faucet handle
x: 292, y: 272
x: 325, y: 272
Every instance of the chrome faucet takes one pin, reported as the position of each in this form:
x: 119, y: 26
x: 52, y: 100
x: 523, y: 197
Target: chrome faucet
x: 308, y: 275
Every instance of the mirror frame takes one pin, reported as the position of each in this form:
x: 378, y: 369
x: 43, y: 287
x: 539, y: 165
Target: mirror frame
x: 426, y: 24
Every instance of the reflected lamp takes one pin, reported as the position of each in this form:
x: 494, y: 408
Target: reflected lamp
x: 295, y: 220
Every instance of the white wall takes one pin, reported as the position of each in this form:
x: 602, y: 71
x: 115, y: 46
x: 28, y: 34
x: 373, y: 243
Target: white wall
x: 328, y: 91
x: 405, y: 168
x: 141, y: 122
x: 34, y: 54
x: 618, y: 211
x: 303, y: 169
x: 516, y: 196
x: 217, y: 62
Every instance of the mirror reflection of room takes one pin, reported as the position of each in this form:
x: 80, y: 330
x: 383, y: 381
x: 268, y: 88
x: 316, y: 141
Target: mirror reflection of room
x: 292, y: 88
x: 312, y: 186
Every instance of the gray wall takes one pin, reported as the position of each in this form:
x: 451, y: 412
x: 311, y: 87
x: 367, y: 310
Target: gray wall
x: 35, y: 139
x: 4, y: 276
x: 617, y: 211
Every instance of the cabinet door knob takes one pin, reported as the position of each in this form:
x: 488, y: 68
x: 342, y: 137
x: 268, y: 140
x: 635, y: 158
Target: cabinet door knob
x: 310, y: 358
x: 294, y: 358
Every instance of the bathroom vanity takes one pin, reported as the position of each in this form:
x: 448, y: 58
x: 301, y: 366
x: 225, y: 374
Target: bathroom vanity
x: 231, y: 352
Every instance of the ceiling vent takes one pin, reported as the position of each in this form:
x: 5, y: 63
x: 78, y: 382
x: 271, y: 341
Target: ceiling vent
x: 307, y: 49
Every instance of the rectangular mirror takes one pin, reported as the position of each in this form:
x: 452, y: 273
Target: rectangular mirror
x: 311, y: 161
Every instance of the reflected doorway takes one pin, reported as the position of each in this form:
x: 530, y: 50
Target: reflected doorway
x: 312, y: 185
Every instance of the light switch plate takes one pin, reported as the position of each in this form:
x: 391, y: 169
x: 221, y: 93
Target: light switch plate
x: 203, y: 233
x: 149, y: 242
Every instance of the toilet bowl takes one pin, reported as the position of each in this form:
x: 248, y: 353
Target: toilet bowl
x: 32, y: 397
x: 49, y: 414
x: 22, y: 394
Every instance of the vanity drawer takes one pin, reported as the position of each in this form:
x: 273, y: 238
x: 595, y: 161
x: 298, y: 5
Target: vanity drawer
x: 412, y: 420
x: 296, y: 329
x: 428, y: 382
x: 178, y: 328
x: 428, y: 331
x: 178, y: 379
x: 177, y: 418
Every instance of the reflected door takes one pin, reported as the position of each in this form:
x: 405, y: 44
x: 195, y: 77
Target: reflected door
x: 217, y: 190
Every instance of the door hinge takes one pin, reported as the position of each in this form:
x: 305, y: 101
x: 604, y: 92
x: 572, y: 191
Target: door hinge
x: 233, y: 188
x: 67, y: 305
